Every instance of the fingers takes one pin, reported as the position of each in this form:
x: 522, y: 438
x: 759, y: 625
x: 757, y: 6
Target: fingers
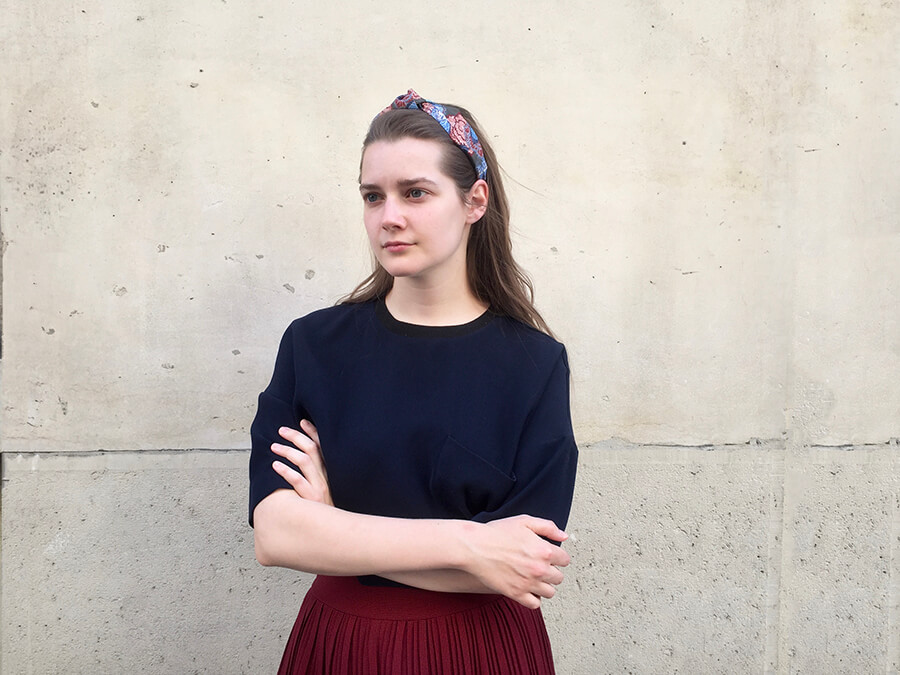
x: 549, y: 553
x: 554, y: 576
x: 311, y: 481
x: 300, y: 440
x: 530, y: 601
x: 532, y: 587
x: 309, y: 444
x: 559, y: 557
x: 297, y: 457
x: 307, y: 482
x: 533, y: 600
x: 295, y: 478
x: 544, y: 579
x: 316, y: 450
x: 545, y: 528
x: 310, y: 430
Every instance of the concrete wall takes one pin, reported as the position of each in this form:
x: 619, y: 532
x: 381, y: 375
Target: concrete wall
x: 704, y: 194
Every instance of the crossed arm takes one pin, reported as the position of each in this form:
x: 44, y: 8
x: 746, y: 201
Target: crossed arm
x: 303, y: 530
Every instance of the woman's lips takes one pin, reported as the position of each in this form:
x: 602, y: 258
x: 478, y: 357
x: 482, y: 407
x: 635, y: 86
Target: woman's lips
x: 396, y: 246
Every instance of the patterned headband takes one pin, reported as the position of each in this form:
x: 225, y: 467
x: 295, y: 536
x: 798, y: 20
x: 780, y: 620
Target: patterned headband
x: 456, y: 126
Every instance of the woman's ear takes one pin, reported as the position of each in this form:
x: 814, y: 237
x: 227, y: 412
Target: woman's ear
x: 476, y: 201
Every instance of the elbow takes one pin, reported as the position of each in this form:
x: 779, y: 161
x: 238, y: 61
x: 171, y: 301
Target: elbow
x: 269, y: 547
x: 264, y: 535
x: 277, y: 530
x: 263, y: 555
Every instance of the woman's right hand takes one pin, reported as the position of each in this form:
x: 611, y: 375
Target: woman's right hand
x: 510, y: 557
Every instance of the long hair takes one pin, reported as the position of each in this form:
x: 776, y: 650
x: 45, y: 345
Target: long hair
x: 493, y: 274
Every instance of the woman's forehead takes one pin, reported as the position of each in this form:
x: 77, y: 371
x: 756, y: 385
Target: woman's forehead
x: 402, y: 159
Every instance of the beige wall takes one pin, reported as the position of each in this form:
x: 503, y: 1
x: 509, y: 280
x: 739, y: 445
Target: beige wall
x: 704, y: 195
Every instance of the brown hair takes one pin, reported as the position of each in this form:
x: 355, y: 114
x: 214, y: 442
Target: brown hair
x: 494, y: 276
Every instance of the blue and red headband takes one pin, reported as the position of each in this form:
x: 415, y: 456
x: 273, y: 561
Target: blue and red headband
x: 456, y: 126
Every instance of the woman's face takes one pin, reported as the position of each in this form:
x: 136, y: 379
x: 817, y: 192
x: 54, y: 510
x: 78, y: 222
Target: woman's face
x: 416, y: 220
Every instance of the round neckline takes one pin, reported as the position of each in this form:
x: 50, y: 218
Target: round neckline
x: 417, y: 330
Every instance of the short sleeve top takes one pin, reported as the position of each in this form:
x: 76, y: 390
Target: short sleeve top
x: 468, y: 422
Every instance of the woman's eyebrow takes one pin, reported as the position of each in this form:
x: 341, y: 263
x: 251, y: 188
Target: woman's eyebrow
x: 403, y: 182
x: 406, y: 182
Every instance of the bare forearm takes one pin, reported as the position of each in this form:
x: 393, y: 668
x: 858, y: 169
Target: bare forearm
x: 303, y: 536
x: 445, y: 580
x: 313, y: 537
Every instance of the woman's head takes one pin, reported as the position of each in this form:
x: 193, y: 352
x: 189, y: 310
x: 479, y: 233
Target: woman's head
x: 417, y: 221
x: 493, y: 275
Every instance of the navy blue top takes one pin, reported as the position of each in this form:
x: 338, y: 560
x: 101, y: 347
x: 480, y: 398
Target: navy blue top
x: 468, y: 421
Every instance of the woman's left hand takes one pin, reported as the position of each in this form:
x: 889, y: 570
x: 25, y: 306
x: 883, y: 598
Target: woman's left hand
x: 311, y: 482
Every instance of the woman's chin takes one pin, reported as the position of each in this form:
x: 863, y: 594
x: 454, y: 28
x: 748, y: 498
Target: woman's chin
x: 398, y: 270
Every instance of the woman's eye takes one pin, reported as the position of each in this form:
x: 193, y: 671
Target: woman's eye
x: 370, y: 197
x: 416, y: 193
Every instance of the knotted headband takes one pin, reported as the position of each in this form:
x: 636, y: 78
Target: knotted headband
x: 456, y: 126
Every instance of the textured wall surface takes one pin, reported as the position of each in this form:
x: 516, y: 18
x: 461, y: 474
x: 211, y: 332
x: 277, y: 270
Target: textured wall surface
x: 706, y: 199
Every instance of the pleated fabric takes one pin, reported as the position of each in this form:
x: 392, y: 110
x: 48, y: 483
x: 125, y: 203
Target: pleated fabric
x: 346, y: 628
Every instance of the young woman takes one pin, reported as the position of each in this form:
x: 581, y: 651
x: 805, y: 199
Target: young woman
x: 434, y: 462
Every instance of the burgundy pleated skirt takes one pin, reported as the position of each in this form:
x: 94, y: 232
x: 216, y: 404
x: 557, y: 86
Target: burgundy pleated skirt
x: 346, y: 628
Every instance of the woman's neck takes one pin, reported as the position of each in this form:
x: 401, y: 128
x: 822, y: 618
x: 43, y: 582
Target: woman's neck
x: 433, y: 305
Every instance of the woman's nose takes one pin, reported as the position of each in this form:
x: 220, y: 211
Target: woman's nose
x: 392, y: 214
